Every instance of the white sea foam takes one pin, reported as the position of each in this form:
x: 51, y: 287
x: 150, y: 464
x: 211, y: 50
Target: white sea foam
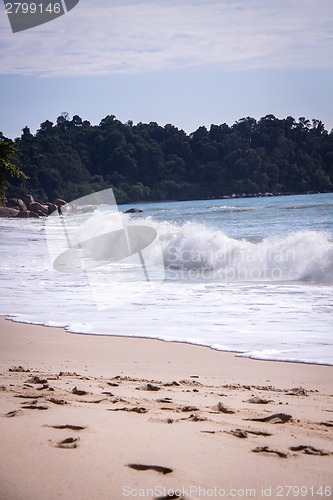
x: 299, y: 256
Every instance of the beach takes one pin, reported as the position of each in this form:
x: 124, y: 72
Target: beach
x: 101, y: 417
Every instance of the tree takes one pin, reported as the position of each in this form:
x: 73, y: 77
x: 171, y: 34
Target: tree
x: 147, y: 161
x: 7, y: 168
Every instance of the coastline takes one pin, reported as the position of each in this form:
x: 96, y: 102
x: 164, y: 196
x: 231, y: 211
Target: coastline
x: 153, y: 403
x: 236, y: 354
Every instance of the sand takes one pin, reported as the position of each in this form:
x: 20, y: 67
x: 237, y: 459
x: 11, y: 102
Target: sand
x: 93, y: 417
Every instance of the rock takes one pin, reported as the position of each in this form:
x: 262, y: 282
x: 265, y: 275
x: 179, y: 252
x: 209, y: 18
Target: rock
x: 8, y: 212
x: 51, y: 207
x: 12, y: 202
x: 59, y: 202
x: 28, y: 199
x: 16, y: 203
x: 27, y: 214
x: 38, y: 208
x: 24, y: 215
x: 22, y: 206
x: 133, y: 211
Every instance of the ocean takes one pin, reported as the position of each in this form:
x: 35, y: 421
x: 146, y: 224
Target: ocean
x: 248, y: 275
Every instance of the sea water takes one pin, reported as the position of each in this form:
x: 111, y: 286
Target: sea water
x: 248, y: 275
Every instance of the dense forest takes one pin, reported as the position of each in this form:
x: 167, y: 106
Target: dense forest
x: 72, y: 158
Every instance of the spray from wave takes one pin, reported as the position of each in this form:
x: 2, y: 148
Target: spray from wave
x: 194, y: 250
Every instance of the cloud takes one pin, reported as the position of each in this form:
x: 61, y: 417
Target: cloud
x: 106, y: 37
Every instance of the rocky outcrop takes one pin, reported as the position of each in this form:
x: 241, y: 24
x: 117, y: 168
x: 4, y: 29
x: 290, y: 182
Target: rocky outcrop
x: 27, y: 207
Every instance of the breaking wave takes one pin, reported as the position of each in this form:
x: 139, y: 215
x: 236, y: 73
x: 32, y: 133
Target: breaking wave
x: 298, y: 256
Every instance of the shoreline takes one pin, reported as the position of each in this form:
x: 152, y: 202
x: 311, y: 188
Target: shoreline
x: 237, y: 354
x: 188, y: 418
x: 233, y: 196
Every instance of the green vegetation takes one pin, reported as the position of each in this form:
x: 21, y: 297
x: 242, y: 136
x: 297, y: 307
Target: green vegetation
x: 72, y: 158
x: 7, y: 167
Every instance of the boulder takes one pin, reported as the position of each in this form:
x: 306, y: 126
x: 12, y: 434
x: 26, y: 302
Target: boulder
x: 39, y: 213
x: 28, y: 199
x: 38, y: 208
x: 51, y: 207
x: 22, y: 206
x: 12, y: 202
x: 59, y: 202
x: 24, y: 215
x: 133, y: 211
x: 16, y: 203
x: 8, y: 212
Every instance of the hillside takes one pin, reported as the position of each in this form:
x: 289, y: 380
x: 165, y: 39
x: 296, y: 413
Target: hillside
x: 72, y: 158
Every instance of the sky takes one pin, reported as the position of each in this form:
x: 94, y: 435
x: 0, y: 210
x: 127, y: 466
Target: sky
x: 185, y: 62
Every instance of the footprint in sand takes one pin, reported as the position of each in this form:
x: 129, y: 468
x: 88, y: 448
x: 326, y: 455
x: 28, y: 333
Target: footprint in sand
x: 327, y: 424
x: 164, y: 400
x: 69, y: 443
x: 56, y: 401
x: 68, y: 374
x: 136, y: 409
x: 29, y: 396
x: 14, y: 413
x: 221, y: 408
x: 152, y: 387
x: 310, y: 450
x: 277, y: 418
x: 93, y: 401
x: 34, y: 406
x: 195, y: 418
x: 67, y: 426
x: 156, y: 468
x: 266, y: 449
x: 297, y: 391
x: 188, y: 409
x: 18, y: 369
x: 238, y: 433
x: 258, y: 401
x: 36, y: 380
x: 259, y: 433
x: 79, y: 392
x: 210, y: 432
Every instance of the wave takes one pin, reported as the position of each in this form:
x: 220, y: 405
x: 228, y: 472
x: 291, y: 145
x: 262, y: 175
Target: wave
x: 312, y: 205
x: 227, y: 208
x: 201, y: 251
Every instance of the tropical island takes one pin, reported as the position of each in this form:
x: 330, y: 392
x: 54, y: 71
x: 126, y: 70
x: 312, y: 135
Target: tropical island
x: 148, y: 162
